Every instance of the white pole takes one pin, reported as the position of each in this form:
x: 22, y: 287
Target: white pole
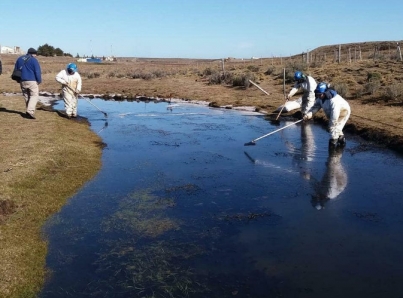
x: 349, y: 55
x: 399, y: 52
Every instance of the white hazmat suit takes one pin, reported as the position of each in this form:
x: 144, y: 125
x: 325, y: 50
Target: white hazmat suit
x: 71, y: 87
x: 337, y: 111
x: 308, y: 98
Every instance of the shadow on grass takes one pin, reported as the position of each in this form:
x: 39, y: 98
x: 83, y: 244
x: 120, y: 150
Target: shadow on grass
x: 379, y: 100
x: 22, y: 114
x: 394, y: 104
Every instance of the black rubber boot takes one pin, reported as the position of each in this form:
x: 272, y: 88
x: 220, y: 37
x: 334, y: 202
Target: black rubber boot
x: 332, y: 143
x: 341, y: 141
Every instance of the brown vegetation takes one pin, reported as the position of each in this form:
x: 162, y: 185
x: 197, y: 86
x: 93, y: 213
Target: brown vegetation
x: 369, y: 75
x: 39, y: 166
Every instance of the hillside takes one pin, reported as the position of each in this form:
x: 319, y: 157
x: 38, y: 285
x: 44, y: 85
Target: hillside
x: 383, y: 50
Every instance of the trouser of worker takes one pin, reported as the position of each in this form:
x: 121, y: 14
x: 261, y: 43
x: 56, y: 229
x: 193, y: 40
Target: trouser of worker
x: 337, y: 129
x: 30, y: 91
x: 307, y: 103
x: 70, y: 104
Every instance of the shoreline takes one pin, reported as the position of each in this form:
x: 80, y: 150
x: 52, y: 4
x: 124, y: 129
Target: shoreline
x: 47, y: 98
x: 356, y: 125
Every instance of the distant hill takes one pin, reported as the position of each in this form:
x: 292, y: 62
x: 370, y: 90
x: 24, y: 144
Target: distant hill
x: 368, y: 49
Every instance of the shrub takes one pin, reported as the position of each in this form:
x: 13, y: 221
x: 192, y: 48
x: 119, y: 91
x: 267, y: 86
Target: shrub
x: 238, y: 81
x: 147, y: 76
x: 228, y: 77
x: 138, y: 74
x: 218, y: 78
x: 159, y: 73
x: 242, y: 80
x: 208, y: 71
x: 359, y: 92
x: 111, y: 74
x: 270, y: 70
x: 373, y: 76
x: 253, y: 68
x: 372, y: 86
x: 341, y: 88
x: 394, y: 92
x: 93, y: 75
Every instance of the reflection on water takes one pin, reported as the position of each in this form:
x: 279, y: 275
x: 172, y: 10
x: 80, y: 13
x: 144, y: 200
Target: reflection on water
x: 334, y: 179
x: 333, y: 182
x: 304, y: 155
x: 182, y: 209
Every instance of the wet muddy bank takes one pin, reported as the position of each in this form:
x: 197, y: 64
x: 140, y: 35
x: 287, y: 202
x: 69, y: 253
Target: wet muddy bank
x: 355, y: 125
x: 379, y: 136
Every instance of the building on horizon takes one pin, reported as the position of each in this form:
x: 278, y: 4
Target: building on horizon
x: 10, y: 50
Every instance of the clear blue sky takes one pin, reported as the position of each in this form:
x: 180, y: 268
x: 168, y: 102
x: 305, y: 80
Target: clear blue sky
x: 196, y: 29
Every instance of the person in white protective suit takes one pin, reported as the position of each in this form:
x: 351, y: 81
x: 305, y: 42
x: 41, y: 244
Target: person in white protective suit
x: 337, y: 111
x: 308, y: 85
x: 304, y: 156
x: 333, y: 182
x: 71, y: 87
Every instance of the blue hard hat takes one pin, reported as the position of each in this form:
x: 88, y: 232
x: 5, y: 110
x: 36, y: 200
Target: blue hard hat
x: 71, y: 67
x: 299, y: 76
x: 321, y: 88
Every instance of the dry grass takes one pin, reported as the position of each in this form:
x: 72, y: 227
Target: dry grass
x: 40, y: 167
x: 42, y: 163
x: 366, y: 84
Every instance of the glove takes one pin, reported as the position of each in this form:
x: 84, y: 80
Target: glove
x: 307, y: 116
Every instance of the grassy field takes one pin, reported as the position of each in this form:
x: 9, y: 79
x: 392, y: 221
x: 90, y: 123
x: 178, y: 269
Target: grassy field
x: 42, y: 165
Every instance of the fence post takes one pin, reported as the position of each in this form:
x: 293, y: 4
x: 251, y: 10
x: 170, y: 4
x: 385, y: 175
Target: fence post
x: 375, y: 52
x: 399, y: 51
x: 339, y: 53
x: 349, y: 55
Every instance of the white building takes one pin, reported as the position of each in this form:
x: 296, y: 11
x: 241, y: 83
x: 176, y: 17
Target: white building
x: 10, y: 50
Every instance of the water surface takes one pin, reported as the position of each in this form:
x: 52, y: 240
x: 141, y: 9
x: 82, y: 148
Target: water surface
x: 181, y: 208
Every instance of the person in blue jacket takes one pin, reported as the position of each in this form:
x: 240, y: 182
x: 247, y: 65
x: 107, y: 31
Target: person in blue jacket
x: 30, y: 80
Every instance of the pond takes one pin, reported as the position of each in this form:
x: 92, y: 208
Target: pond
x: 181, y: 208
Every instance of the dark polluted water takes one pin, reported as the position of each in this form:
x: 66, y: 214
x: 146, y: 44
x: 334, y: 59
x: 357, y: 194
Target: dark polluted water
x: 181, y: 208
